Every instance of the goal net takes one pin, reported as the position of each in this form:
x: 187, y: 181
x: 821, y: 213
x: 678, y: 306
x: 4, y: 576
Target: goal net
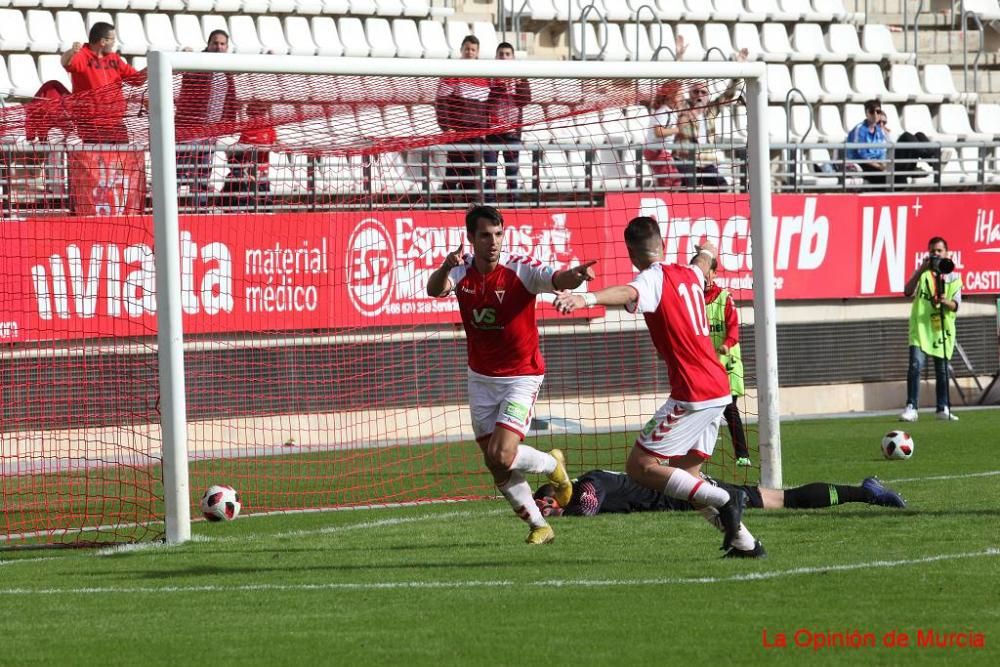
x: 305, y: 214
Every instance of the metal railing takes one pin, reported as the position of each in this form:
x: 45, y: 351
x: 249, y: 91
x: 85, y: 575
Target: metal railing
x: 36, y: 180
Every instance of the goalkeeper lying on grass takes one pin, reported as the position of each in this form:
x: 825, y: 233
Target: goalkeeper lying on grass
x: 603, y: 492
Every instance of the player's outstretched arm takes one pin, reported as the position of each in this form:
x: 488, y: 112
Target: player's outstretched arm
x: 566, y: 302
x: 573, y: 278
x: 438, y: 284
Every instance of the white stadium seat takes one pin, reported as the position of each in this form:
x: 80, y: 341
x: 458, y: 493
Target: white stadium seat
x: 835, y: 8
x: 114, y: 5
x: 954, y: 119
x: 938, y: 81
x: 13, y: 32
x: 988, y: 119
x: 833, y: 76
x: 868, y: 79
x: 85, y: 4
x: 904, y: 80
x: 42, y: 34
x: 142, y: 5
x: 611, y: 35
x: 187, y: 31
x: 803, y: 127
x: 746, y: 36
x: 363, y: 7
x: 309, y: 7
x: 637, y: 41
x: 730, y: 11
x: 243, y: 34
x: 661, y: 39
x: 378, y: 33
x: 806, y: 79
x: 416, y: 8
x: 456, y: 31
x: 829, y: 124
x: 23, y: 74
x: 771, y: 9
x: 407, y: 39
x: 584, y: 44
x: 50, y: 69
x: 254, y: 6
x: 5, y: 83
x: 843, y: 38
x: 432, y: 37
x: 299, y: 36
x: 390, y: 8
x: 272, y: 36
x: 917, y: 118
x: 212, y: 22
x: 717, y: 42
x: 55, y: 4
x: 327, y: 36
x: 804, y: 10
x: 877, y: 40
x: 352, y: 36
x: 779, y: 82
x: 808, y: 40
x: 615, y: 10
x: 487, y: 36
x: 777, y: 125
x: 131, y: 35
x: 336, y: 6
x: 200, y: 6
x: 281, y: 7
x: 171, y: 5
x: 98, y: 17
x: 692, y: 39
x: 774, y: 38
x: 159, y: 32
x: 71, y: 29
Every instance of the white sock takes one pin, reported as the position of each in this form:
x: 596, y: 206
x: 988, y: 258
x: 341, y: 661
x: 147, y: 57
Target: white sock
x: 529, y: 459
x: 685, y: 486
x: 518, y: 494
x: 744, y: 540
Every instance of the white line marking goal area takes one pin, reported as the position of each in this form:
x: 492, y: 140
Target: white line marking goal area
x: 989, y: 552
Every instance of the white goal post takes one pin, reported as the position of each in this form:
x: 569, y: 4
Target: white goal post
x: 163, y: 66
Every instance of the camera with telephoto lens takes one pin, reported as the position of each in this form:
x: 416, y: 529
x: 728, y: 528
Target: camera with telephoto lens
x: 941, y: 265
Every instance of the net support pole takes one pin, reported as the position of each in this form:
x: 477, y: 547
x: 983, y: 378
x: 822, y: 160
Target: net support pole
x: 762, y: 230
x: 170, y: 333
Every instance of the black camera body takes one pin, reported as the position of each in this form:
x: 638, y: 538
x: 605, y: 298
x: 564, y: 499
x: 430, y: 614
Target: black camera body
x: 941, y: 265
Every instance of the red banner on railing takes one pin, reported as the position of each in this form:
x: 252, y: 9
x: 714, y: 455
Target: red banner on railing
x: 71, y: 278
x: 107, y: 182
x: 829, y: 246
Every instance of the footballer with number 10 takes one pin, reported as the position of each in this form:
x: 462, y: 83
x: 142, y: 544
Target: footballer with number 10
x: 668, y: 453
x: 496, y: 297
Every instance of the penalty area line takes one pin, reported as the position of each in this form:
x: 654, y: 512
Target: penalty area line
x: 935, y: 478
x: 497, y: 583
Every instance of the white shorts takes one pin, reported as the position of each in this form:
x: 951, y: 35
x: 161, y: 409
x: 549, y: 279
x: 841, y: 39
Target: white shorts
x: 507, y: 402
x: 675, y: 431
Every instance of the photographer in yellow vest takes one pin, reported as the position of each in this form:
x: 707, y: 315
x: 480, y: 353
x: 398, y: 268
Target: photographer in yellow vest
x: 936, y: 293
x: 724, y: 326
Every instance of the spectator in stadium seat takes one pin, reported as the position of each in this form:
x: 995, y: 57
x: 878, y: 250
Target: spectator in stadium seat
x: 697, y: 125
x: 872, y: 161
x: 663, y: 128
x: 205, y: 100
x: 605, y: 492
x: 248, y: 182
x: 905, y: 159
x: 462, y: 108
x: 506, y: 101
x: 724, y: 328
x: 937, y: 293
x: 496, y: 294
x: 96, y: 67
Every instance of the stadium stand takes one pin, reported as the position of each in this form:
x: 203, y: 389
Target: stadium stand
x: 825, y: 58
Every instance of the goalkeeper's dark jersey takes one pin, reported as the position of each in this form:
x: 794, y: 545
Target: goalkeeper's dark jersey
x: 604, y: 492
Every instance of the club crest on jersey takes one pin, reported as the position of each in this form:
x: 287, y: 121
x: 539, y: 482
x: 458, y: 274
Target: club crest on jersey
x: 500, y: 293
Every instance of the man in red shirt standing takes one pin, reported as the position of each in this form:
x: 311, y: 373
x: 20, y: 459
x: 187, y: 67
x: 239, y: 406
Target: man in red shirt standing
x: 461, y: 106
x: 496, y: 296
x: 96, y: 66
x: 668, y: 453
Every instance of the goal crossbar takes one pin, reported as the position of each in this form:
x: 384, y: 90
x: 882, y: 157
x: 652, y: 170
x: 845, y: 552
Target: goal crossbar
x: 162, y: 67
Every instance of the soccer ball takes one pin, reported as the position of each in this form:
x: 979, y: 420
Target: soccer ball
x: 897, y: 445
x: 220, y: 503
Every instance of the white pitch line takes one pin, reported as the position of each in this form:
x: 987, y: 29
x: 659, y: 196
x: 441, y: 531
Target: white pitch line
x: 989, y: 473
x: 497, y: 583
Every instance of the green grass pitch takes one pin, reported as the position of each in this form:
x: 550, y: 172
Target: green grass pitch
x: 454, y: 584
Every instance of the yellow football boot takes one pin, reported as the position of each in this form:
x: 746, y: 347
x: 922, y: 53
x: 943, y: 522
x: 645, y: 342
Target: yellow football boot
x: 559, y: 479
x: 541, y: 535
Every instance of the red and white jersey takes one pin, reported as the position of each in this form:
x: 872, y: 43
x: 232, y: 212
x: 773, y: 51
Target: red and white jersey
x: 672, y: 299
x: 498, y: 312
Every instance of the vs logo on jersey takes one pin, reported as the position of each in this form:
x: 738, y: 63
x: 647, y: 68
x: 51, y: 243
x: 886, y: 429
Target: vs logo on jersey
x: 485, y: 318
